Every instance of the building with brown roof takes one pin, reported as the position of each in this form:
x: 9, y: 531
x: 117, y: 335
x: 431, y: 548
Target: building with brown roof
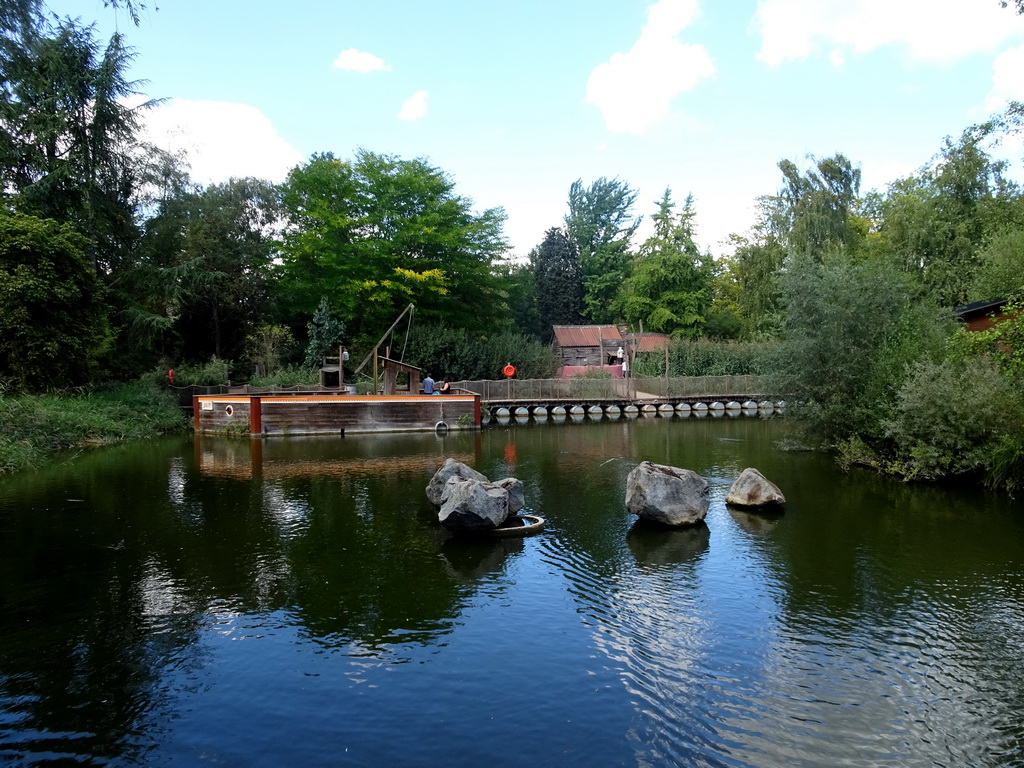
x: 597, y: 346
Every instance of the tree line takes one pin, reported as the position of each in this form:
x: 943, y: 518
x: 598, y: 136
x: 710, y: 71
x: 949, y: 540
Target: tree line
x: 113, y: 263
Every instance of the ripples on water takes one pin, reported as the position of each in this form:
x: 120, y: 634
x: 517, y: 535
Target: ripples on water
x: 203, y: 607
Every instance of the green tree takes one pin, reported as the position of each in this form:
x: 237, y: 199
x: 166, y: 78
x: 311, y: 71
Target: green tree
x: 521, y: 288
x: 817, y: 206
x: 53, y: 324
x: 851, y: 328
x: 380, y: 232
x: 935, y: 224
x: 220, y: 268
x: 266, y: 346
x: 750, y: 280
x: 1000, y: 272
x: 601, y: 223
x: 325, y: 333
x: 556, y: 272
x: 67, y: 139
x: 670, y: 290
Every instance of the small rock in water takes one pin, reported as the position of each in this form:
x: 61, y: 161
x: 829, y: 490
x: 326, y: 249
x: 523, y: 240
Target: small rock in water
x: 752, y: 489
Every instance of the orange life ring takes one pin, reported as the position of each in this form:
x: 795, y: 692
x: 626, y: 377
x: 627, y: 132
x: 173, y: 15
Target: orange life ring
x: 509, y: 370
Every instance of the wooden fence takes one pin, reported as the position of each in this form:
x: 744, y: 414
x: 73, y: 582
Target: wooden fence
x: 634, y: 388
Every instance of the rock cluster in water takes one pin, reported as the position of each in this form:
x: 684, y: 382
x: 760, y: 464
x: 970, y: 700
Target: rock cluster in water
x: 681, y: 497
x: 468, y: 501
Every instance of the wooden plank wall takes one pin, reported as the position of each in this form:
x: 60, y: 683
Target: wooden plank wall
x: 297, y: 415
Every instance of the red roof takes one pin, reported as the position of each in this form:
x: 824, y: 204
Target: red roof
x: 585, y: 335
x: 652, y: 342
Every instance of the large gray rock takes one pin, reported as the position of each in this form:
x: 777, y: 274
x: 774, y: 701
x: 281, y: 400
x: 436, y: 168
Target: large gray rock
x: 752, y: 489
x: 516, y: 494
x: 451, y: 468
x: 667, y: 495
x: 472, y: 505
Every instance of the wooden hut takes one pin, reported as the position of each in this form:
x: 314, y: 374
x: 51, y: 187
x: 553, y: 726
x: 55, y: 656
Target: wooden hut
x: 981, y: 315
x: 587, y: 345
x: 400, y: 378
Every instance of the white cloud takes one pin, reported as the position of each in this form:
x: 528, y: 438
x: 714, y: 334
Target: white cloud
x: 1007, y: 83
x: 354, y: 60
x: 415, y: 107
x: 221, y: 140
x: 931, y: 30
x: 634, y: 90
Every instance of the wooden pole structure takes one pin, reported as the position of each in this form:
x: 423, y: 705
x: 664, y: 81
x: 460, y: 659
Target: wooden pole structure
x: 375, y: 346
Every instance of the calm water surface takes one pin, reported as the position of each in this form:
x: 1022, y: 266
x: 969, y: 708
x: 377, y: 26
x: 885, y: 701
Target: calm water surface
x: 294, y: 603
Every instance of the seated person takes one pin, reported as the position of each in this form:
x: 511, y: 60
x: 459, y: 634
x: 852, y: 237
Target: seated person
x: 445, y: 387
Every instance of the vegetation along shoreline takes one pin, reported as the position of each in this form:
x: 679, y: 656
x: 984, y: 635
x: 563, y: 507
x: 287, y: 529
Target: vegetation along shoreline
x: 116, y: 266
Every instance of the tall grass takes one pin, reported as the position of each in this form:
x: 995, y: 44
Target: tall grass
x: 706, y: 358
x: 34, y: 427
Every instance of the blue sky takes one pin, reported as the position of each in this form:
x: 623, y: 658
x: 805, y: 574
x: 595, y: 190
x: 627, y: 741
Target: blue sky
x: 516, y: 100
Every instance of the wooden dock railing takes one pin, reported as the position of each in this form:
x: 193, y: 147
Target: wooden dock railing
x: 638, y: 389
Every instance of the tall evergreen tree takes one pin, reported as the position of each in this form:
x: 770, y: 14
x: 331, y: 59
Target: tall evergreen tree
x: 556, y: 268
x: 325, y: 333
x: 67, y: 139
x: 670, y: 290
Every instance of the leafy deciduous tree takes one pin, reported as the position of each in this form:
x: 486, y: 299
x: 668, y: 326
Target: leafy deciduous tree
x: 850, y: 330
x: 53, y: 325
x: 219, y: 273
x: 380, y: 232
x: 601, y: 223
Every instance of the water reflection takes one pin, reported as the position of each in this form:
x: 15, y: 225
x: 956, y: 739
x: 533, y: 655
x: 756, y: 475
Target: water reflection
x: 656, y: 546
x: 227, y: 599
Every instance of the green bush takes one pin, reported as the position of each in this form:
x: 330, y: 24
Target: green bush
x: 289, y: 376
x: 456, y: 353
x: 209, y: 374
x: 706, y: 358
x: 850, y: 331
x: 954, y: 418
x: 33, y: 427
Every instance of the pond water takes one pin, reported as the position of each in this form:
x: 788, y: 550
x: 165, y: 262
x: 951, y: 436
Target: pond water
x: 294, y: 602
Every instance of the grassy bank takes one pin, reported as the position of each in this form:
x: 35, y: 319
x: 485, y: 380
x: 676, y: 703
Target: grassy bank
x: 35, y: 427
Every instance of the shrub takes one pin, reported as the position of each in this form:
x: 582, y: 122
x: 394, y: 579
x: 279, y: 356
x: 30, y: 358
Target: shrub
x: 850, y: 331
x: 32, y: 427
x: 209, y: 374
x: 288, y: 376
x: 706, y: 358
x: 459, y: 354
x: 953, y: 418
